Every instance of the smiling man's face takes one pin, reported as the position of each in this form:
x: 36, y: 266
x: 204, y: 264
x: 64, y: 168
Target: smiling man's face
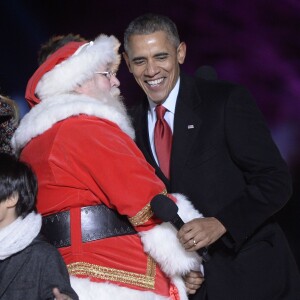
x: 154, y: 62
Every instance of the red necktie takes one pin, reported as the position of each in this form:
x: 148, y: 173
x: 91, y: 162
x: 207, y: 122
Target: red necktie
x: 163, y: 140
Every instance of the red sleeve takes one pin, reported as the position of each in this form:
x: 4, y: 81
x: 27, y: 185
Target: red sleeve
x: 108, y: 163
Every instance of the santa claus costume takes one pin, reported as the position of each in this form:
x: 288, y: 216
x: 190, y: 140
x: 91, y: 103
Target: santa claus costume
x: 95, y: 185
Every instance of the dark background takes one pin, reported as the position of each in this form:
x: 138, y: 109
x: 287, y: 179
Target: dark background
x: 252, y: 42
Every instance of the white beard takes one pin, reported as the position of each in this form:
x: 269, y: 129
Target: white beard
x: 115, y: 91
x: 114, y: 99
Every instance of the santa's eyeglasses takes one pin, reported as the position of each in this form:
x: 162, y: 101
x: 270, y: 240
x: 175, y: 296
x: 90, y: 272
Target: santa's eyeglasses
x: 107, y: 74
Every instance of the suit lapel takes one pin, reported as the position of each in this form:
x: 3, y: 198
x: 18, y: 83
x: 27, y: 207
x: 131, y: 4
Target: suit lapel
x: 143, y: 135
x: 143, y: 142
x: 187, y: 123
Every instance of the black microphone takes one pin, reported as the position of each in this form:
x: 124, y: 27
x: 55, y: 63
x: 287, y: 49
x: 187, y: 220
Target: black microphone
x: 166, y: 210
x: 207, y: 73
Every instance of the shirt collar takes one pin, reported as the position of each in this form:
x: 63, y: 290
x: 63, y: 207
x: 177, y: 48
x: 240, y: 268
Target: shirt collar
x: 170, y: 102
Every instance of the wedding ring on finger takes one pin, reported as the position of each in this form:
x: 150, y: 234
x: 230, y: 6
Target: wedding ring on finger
x: 194, y: 242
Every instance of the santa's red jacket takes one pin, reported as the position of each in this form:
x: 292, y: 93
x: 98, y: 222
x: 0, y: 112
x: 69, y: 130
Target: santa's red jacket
x: 83, y: 154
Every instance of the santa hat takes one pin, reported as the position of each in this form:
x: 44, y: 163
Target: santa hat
x: 70, y: 66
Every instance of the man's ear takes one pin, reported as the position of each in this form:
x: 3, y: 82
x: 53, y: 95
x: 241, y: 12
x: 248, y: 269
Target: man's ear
x: 126, y: 58
x: 181, y: 52
x: 12, y: 200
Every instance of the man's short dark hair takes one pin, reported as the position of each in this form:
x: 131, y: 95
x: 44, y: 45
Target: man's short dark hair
x: 56, y: 42
x: 150, y: 23
x: 17, y: 177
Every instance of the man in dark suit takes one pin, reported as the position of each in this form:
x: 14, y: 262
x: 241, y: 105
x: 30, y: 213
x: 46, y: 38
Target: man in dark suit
x: 223, y: 158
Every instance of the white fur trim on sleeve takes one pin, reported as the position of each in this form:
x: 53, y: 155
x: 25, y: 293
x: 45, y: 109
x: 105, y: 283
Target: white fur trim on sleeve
x: 186, y: 209
x: 163, y: 245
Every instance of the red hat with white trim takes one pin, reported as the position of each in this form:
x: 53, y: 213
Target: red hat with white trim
x: 70, y: 66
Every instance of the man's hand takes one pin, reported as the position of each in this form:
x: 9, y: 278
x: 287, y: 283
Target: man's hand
x: 193, y: 281
x: 59, y: 296
x: 200, y: 232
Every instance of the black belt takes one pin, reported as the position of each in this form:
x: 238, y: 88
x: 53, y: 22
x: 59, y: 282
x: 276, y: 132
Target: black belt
x: 97, y: 222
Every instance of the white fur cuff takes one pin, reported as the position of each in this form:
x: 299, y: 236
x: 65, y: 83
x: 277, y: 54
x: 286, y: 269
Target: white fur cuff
x: 162, y: 244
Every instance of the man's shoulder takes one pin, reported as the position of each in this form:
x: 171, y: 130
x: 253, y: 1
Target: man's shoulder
x: 40, y: 246
x: 210, y: 91
x: 208, y: 85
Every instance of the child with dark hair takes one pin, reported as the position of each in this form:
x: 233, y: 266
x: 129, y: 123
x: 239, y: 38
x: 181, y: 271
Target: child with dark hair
x: 30, y: 268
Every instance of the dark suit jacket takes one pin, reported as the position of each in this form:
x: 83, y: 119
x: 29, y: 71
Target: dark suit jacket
x: 32, y: 273
x: 223, y: 158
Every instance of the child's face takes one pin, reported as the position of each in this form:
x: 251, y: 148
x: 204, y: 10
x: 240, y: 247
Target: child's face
x: 8, y: 210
